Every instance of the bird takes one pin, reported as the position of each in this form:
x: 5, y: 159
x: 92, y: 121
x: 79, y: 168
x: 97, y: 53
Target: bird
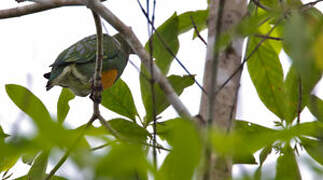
x: 75, y: 66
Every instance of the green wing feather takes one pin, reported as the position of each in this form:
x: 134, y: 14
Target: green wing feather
x: 84, y: 52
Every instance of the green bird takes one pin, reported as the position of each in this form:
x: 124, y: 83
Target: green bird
x: 74, y: 67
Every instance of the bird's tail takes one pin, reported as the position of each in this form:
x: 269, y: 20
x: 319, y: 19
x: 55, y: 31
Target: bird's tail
x: 47, y: 75
x: 49, y: 84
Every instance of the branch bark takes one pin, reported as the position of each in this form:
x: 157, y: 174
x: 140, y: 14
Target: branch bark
x: 36, y: 7
x: 220, y: 109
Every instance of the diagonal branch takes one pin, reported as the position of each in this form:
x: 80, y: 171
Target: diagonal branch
x: 138, y: 48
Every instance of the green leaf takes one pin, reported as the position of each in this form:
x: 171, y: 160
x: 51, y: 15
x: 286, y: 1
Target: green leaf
x: 185, y: 156
x: 267, y: 76
x: 165, y: 129
x: 248, y: 24
x: 291, y: 86
x: 36, y: 110
x: 314, y: 148
x: 246, y: 159
x: 264, y: 154
x: 2, y: 134
x: 234, y: 144
x: 123, y: 161
x: 298, y: 44
x: 179, y: 83
x: 262, y: 157
x: 127, y: 129
x: 316, y: 107
x: 62, y: 104
x: 38, y: 169
x: 167, y: 35
x: 287, y: 167
x: 118, y: 98
x: 314, y: 129
x: 29, y: 157
x: 185, y: 21
x: 7, y: 162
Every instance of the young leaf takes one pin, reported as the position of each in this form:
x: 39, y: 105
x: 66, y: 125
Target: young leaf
x: 62, y: 104
x: 38, y: 169
x: 186, y: 152
x: 179, y: 83
x: 267, y: 76
x: 314, y: 148
x: 287, y: 167
x: 118, y: 98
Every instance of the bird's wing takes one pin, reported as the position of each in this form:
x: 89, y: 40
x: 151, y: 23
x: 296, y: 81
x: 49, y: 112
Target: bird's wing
x: 84, y: 51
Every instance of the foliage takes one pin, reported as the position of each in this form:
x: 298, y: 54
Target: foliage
x: 297, y: 32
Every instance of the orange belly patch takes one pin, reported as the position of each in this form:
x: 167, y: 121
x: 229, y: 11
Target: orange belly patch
x: 108, y: 78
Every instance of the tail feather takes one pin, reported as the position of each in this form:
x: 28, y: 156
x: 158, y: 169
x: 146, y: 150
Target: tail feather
x: 48, y: 86
x: 47, y: 75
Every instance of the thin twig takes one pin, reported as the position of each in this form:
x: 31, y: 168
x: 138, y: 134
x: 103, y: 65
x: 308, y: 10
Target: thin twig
x: 95, y: 95
x: 164, y: 43
x: 257, y: 3
x: 107, y: 125
x: 197, y: 32
x: 268, y: 37
x: 300, y: 100
x: 102, y: 146
x: 139, y: 71
x: 309, y: 5
x: 97, y: 85
x: 152, y: 88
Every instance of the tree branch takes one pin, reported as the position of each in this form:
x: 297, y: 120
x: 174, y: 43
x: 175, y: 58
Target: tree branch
x: 218, y: 109
x: 138, y: 48
x: 38, y: 7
